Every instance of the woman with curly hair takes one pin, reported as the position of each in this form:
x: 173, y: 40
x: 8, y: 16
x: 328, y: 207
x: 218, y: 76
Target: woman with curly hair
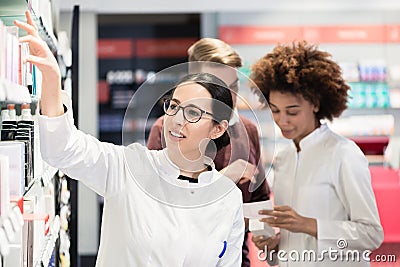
x: 325, y: 206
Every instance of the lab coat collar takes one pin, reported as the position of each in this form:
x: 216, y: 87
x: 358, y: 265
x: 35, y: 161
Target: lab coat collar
x: 170, y: 171
x: 313, y: 138
x: 158, y: 177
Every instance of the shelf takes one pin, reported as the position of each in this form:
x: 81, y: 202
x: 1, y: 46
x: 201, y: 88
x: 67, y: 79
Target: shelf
x: 368, y: 82
x: 40, y: 196
x: 375, y: 160
x: 10, y: 225
x: 368, y: 112
x: 12, y: 10
x: 375, y: 108
x: 14, y: 93
x: 15, y: 9
x: 389, y: 83
x: 371, y: 145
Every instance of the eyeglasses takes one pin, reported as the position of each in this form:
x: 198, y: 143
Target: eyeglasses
x: 191, y: 113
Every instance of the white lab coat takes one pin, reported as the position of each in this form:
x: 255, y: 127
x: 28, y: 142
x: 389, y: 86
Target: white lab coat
x: 150, y: 217
x: 328, y: 180
x: 392, y: 152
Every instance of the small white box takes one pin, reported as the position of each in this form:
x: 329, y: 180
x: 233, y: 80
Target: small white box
x: 259, y: 228
x: 4, y: 185
x: 16, y: 151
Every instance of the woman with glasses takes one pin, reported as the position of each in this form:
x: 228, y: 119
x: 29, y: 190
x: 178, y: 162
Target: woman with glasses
x: 161, y: 208
x: 220, y: 59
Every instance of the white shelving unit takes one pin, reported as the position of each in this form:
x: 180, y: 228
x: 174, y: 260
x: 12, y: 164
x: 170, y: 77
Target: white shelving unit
x: 40, y: 199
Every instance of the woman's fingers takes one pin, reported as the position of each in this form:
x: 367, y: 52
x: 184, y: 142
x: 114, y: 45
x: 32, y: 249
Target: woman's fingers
x: 29, y: 20
x: 239, y: 171
x: 30, y: 39
x: 244, y: 180
x: 262, y: 242
x: 259, y: 238
x: 280, y: 216
x: 283, y: 208
x: 38, y: 61
x: 278, y: 211
x: 30, y: 26
x: 37, y: 46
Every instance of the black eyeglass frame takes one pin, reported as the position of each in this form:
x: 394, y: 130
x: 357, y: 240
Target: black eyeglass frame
x: 166, y: 106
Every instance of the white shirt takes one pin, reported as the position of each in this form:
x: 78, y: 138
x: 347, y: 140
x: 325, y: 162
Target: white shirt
x: 150, y: 217
x: 392, y: 152
x: 328, y: 180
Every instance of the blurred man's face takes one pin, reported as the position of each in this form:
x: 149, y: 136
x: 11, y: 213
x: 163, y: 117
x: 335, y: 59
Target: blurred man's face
x: 226, y: 74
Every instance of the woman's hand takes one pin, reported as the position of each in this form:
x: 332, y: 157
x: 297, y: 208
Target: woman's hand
x: 40, y: 54
x: 286, y: 218
x: 270, y: 243
x: 240, y: 171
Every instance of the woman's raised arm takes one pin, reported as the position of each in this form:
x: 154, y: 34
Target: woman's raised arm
x: 41, y: 56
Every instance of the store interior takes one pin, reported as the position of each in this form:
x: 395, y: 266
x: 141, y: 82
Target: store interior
x: 107, y: 49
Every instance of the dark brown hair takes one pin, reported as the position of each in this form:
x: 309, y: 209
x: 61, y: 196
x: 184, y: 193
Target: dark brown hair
x: 302, y: 69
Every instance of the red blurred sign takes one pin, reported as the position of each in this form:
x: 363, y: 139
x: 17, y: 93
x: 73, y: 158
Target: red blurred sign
x: 259, y: 35
x: 115, y: 48
x: 168, y: 47
x: 103, y: 92
x: 314, y: 34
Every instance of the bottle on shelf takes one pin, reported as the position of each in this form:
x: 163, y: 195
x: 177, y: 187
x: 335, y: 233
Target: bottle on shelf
x: 12, y: 112
x: 9, y: 123
x: 5, y: 115
x: 26, y: 130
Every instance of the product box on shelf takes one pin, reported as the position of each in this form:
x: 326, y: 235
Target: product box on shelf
x: 3, y: 50
x: 4, y: 184
x: 16, y: 151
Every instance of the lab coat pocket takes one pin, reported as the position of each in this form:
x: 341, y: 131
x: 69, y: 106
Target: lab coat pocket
x: 314, y: 200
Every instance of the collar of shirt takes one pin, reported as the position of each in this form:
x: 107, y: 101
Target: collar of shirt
x: 169, y: 171
x: 313, y: 138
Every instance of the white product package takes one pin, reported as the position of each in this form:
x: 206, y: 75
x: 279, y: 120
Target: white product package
x: 250, y: 211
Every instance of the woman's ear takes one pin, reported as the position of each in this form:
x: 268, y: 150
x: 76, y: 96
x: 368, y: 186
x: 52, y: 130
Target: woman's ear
x: 316, y: 108
x: 219, y: 129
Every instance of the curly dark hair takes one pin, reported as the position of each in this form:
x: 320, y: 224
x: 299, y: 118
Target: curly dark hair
x: 302, y: 69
